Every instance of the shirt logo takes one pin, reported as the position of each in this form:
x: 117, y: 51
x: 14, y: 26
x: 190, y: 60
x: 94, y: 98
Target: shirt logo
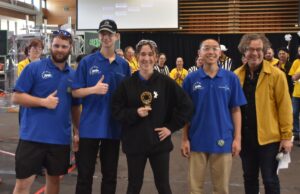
x: 46, y: 75
x: 197, y: 86
x: 225, y: 87
x: 94, y: 70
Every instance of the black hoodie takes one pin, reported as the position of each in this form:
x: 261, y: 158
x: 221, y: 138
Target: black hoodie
x: 171, y: 108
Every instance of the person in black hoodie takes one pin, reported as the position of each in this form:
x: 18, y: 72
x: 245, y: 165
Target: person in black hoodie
x: 150, y: 107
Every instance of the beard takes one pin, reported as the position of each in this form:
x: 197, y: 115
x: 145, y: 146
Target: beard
x: 59, y: 57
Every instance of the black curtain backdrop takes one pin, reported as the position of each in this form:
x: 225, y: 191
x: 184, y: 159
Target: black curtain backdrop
x: 186, y: 45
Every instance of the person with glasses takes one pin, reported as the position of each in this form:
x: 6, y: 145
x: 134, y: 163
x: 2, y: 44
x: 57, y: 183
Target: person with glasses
x: 97, y: 77
x: 213, y: 136
x: 44, y: 90
x: 32, y: 52
x: 267, y: 120
x: 150, y: 106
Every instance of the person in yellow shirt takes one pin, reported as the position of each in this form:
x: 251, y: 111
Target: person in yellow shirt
x: 269, y: 57
x: 130, y: 57
x: 33, y: 52
x: 295, y: 73
x: 179, y: 73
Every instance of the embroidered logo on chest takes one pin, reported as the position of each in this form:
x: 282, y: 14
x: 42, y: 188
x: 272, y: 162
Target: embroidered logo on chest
x: 47, y: 75
x: 197, y: 86
x: 94, y: 70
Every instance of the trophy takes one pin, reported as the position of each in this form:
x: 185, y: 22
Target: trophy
x: 146, y: 98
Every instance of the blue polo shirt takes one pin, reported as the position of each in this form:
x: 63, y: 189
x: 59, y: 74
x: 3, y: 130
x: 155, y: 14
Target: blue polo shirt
x: 211, y: 129
x: 96, y: 120
x: 39, y: 124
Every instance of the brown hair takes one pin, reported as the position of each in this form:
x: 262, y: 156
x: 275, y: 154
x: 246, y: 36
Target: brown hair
x: 35, y: 43
x: 247, y: 38
x: 150, y: 43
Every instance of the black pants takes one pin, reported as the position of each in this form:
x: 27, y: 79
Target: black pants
x: 160, y: 166
x: 263, y: 158
x: 86, y: 159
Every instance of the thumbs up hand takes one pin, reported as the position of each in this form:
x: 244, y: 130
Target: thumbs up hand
x: 100, y: 87
x: 51, y: 101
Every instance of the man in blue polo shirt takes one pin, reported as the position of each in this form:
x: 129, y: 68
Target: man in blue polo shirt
x: 44, y: 89
x: 97, y: 77
x: 214, y: 134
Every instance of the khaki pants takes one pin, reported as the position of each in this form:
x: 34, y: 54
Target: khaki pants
x: 220, y: 169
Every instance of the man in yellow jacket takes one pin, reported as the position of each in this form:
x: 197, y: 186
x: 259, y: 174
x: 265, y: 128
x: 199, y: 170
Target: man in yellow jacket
x: 266, y: 119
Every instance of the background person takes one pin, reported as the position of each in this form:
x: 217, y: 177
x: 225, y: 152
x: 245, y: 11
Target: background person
x: 179, y: 73
x: 32, y: 52
x: 161, y: 66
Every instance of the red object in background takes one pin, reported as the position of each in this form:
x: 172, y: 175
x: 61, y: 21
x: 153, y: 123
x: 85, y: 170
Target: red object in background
x: 1, y: 66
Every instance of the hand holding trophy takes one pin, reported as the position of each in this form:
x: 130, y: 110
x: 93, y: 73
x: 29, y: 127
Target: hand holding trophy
x: 146, y: 98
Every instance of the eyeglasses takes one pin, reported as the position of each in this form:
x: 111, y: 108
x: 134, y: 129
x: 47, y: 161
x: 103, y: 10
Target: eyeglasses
x: 210, y: 48
x: 251, y: 50
x: 144, y: 42
x: 62, y: 32
x: 37, y: 48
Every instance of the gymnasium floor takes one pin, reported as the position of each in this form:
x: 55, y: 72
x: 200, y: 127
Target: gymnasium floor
x: 178, y: 169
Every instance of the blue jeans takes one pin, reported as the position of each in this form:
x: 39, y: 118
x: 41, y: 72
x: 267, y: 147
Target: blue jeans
x: 86, y: 160
x: 263, y: 158
x: 296, y: 111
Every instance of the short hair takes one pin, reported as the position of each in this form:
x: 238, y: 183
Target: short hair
x: 62, y: 34
x: 247, y: 38
x: 206, y: 40
x: 283, y: 49
x: 127, y: 48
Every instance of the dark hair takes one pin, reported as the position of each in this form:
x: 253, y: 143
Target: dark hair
x: 160, y: 54
x: 26, y: 51
x: 79, y: 57
x: 95, y: 50
x: 247, y: 38
x: 206, y: 40
x: 283, y: 49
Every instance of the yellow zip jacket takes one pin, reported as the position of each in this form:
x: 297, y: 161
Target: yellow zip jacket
x: 273, y: 104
